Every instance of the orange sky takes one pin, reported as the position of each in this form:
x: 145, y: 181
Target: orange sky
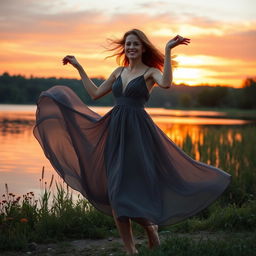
x: 34, y: 37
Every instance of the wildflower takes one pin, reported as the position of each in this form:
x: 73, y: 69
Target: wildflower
x: 23, y: 220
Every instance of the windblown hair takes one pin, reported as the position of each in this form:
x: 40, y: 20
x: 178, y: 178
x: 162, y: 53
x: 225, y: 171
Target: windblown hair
x: 151, y: 57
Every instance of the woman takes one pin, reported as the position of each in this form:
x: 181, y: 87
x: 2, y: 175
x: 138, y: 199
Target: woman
x: 122, y: 162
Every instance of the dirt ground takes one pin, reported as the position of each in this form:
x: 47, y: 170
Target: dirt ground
x: 104, y: 247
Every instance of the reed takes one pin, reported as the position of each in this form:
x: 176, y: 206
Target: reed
x: 231, y: 149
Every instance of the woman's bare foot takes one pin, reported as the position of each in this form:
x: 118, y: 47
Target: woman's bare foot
x: 132, y: 252
x: 153, y: 238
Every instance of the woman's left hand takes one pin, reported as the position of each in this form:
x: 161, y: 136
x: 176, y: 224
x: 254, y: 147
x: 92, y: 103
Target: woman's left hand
x: 177, y: 40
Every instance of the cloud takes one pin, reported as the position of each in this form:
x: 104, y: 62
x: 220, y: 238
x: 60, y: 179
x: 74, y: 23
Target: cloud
x: 238, y: 45
x: 29, y: 34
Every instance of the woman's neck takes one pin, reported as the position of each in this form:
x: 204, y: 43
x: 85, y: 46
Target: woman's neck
x: 135, y: 64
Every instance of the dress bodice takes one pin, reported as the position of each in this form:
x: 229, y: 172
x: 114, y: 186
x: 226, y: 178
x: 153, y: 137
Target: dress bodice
x: 135, y: 92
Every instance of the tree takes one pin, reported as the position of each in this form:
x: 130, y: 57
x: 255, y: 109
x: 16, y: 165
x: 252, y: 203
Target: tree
x: 248, y: 99
x: 212, y: 97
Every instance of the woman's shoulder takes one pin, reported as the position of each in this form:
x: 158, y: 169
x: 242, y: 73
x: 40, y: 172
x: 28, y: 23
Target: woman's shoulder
x: 117, y: 71
x: 153, y: 70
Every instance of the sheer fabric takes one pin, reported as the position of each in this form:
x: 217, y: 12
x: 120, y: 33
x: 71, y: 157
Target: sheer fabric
x: 123, y: 160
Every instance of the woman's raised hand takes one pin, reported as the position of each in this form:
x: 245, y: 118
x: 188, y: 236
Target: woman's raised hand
x: 71, y: 60
x: 177, y: 40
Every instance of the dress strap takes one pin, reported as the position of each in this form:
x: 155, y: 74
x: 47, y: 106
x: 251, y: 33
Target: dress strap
x: 143, y: 74
x: 146, y: 70
x: 121, y: 71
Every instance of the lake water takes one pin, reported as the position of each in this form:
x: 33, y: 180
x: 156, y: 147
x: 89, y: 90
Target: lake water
x: 22, y: 159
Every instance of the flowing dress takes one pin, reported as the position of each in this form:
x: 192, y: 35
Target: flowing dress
x: 123, y: 160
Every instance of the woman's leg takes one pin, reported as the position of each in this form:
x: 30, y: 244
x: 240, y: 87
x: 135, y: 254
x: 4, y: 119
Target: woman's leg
x: 125, y: 231
x: 152, y: 233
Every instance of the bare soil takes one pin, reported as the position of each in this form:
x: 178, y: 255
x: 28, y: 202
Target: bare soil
x: 110, y: 246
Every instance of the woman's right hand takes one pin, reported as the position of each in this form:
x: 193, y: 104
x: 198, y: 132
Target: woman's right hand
x: 177, y: 40
x: 71, y: 60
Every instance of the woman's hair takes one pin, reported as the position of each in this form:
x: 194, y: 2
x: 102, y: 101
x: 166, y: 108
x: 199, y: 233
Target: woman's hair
x: 151, y: 57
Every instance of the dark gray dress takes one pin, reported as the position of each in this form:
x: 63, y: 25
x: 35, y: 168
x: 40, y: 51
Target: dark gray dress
x: 123, y: 160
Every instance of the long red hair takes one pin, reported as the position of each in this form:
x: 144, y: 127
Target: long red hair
x: 151, y: 57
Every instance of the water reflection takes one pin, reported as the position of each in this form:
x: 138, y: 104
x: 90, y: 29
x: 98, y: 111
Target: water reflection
x: 229, y: 147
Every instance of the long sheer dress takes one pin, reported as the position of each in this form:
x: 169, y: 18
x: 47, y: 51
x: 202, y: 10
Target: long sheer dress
x: 123, y: 160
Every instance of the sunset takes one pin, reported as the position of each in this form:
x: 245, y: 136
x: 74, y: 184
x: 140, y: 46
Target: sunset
x: 128, y: 127
x: 35, y: 36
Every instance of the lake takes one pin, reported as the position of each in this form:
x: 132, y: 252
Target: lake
x: 208, y: 136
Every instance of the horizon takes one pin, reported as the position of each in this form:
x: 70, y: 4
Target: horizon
x: 103, y: 78
x: 221, y: 50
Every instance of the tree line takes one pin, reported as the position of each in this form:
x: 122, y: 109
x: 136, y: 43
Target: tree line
x: 17, y: 89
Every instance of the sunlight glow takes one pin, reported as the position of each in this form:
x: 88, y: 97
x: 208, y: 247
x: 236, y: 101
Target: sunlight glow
x: 36, y: 35
x: 200, y: 60
x: 189, y: 30
x: 187, y: 73
x: 163, y: 32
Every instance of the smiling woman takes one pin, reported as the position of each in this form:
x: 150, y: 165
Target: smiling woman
x: 137, y: 43
x: 122, y: 162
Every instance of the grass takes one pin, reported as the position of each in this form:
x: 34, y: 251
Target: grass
x: 231, y: 149
x: 26, y: 219
x: 186, y: 246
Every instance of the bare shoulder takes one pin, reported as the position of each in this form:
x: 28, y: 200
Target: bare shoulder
x: 117, y: 71
x: 114, y: 74
x: 155, y: 71
x: 155, y: 75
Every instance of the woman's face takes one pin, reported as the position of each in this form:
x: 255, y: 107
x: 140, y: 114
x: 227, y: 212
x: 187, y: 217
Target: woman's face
x: 133, y: 47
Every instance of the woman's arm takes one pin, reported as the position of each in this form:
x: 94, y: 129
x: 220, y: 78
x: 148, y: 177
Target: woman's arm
x: 165, y: 79
x: 94, y: 91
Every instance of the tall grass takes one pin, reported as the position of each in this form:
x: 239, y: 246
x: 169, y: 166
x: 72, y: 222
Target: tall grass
x: 25, y: 219
x: 230, y: 148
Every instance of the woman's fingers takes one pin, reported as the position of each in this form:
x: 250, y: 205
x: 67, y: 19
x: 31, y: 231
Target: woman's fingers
x: 186, y: 41
x: 68, y: 59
